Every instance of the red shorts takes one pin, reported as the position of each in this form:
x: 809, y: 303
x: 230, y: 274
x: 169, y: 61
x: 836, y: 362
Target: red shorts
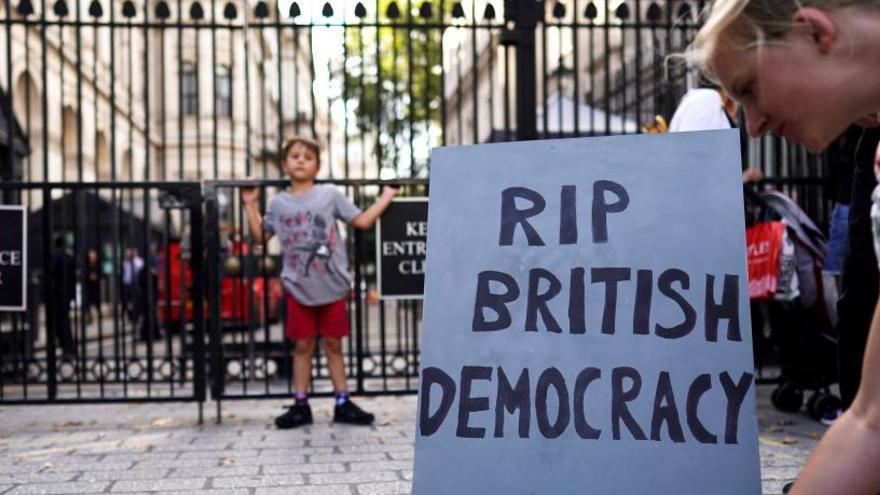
x: 307, y: 322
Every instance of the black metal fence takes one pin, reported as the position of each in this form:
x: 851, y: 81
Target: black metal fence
x: 105, y: 317
x: 105, y: 98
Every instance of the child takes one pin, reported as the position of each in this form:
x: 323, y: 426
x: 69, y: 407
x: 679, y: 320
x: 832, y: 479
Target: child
x: 315, y: 273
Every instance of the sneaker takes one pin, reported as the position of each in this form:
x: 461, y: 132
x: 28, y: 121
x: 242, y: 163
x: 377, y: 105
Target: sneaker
x: 296, y: 415
x: 830, y: 417
x: 351, y: 414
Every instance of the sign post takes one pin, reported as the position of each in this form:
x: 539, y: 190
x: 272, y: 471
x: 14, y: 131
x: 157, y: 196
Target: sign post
x: 586, y: 320
x: 401, y: 242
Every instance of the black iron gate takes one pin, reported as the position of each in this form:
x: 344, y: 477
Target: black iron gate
x: 109, y: 316
x: 102, y: 99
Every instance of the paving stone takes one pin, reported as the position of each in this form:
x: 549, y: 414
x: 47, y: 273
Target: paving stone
x: 210, y: 472
x: 261, y: 480
x: 380, y: 466
x: 74, y: 464
x: 160, y: 463
x: 362, y: 449
x: 17, y: 468
x: 393, y: 488
x: 308, y: 490
x: 33, y: 477
x: 158, y: 485
x: 359, y: 477
x: 131, y: 474
x: 298, y: 451
x: 324, y: 467
x: 268, y: 461
x: 377, y: 456
x: 189, y: 447
x: 58, y: 488
x: 409, y: 454
x: 222, y: 491
x: 217, y: 453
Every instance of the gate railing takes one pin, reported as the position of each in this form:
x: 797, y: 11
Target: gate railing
x: 108, y: 319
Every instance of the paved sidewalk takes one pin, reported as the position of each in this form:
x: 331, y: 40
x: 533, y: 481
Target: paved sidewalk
x: 159, y: 448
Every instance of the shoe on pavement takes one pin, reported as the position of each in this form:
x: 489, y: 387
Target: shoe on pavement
x: 296, y: 415
x: 348, y: 412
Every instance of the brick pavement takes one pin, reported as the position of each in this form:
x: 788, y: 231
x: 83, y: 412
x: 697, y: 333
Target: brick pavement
x: 150, y: 448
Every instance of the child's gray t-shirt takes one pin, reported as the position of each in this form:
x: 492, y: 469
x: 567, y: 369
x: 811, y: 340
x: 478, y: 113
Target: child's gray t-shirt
x: 315, y: 261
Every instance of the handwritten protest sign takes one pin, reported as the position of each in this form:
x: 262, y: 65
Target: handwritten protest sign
x: 586, y: 323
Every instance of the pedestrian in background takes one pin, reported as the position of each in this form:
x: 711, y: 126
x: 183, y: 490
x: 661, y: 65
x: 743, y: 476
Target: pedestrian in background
x: 93, y: 286
x: 131, y: 266
x: 62, y: 289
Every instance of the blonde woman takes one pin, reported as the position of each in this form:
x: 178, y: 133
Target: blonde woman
x: 806, y: 70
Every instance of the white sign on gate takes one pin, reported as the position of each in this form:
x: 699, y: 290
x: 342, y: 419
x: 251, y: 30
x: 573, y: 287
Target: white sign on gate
x: 586, y: 320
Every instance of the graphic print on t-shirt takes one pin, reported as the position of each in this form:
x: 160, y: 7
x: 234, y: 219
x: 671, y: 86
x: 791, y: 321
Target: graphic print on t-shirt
x: 309, y: 243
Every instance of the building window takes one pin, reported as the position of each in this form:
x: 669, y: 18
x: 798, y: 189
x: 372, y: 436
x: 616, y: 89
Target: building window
x: 189, y: 88
x: 223, y: 91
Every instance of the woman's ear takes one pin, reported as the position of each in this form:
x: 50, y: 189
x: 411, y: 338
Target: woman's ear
x: 818, y: 23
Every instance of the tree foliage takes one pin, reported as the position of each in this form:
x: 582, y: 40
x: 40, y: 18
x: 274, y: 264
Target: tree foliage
x: 393, y: 74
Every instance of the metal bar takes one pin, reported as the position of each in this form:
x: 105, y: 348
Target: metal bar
x: 442, y: 76
x: 606, y: 28
x: 543, y: 79
x: 180, y: 135
x: 475, y: 73
x: 576, y: 71
x: 411, y: 103
x: 215, y: 144
x: 492, y: 49
x: 312, y: 80
x: 198, y: 116
x: 262, y: 105
x: 358, y: 302
x: 639, y: 68
x: 196, y: 258
x: 10, y: 95
x: 378, y: 147
x: 247, y: 98
x: 525, y: 17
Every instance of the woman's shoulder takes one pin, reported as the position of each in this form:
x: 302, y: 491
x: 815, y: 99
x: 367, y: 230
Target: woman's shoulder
x: 702, y: 96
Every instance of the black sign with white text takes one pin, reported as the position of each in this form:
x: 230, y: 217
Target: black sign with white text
x: 13, y: 258
x: 401, y: 239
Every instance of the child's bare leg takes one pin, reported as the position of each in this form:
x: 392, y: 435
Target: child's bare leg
x: 332, y: 347
x: 303, y: 351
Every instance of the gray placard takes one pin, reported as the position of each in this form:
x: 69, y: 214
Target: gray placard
x: 651, y: 359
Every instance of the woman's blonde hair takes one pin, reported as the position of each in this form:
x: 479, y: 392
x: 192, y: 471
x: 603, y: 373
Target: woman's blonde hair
x: 747, y: 23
